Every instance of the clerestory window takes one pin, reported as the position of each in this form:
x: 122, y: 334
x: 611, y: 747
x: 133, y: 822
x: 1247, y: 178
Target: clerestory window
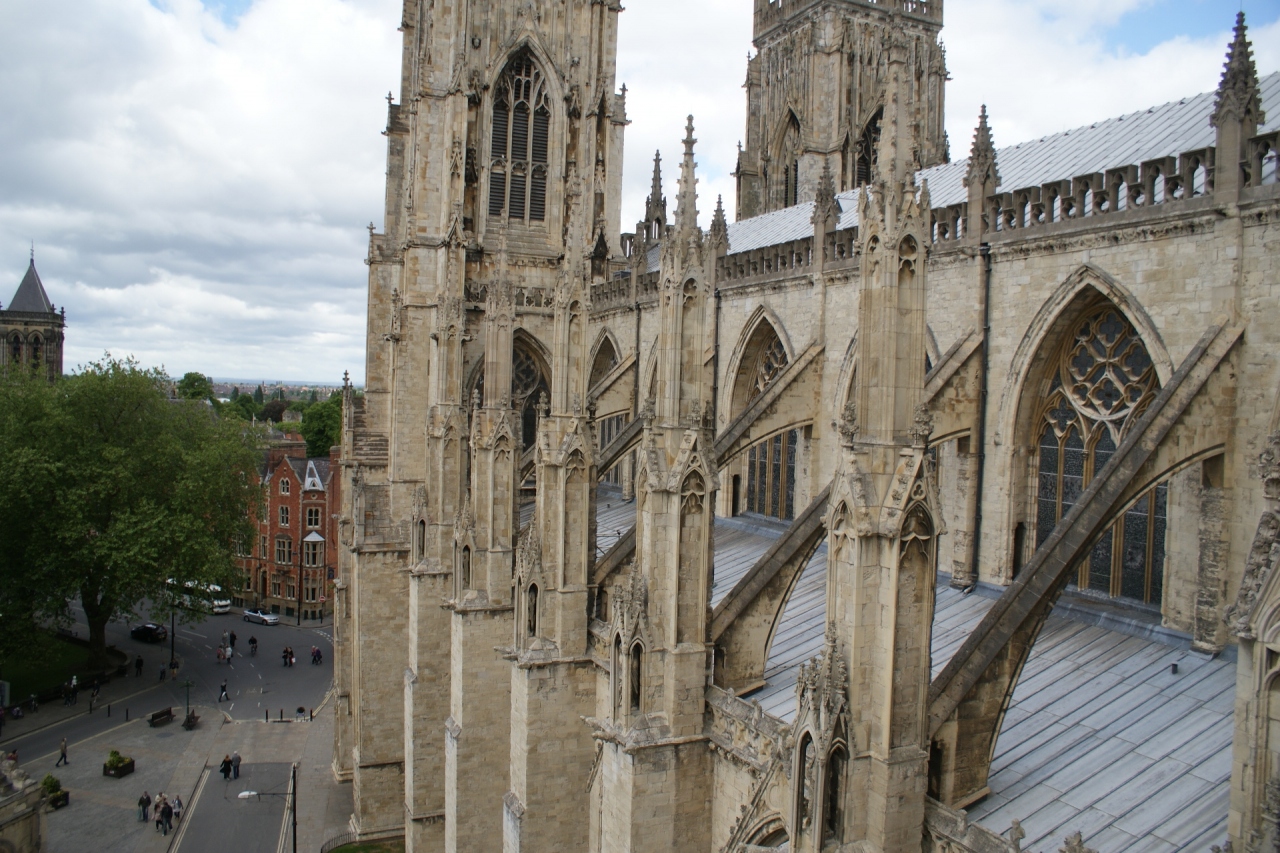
x: 1103, y: 381
x: 518, y: 147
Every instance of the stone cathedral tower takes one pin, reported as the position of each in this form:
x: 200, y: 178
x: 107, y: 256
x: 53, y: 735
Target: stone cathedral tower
x: 502, y: 203
x: 816, y: 95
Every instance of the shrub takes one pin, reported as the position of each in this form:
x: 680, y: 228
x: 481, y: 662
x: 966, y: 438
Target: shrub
x: 50, y: 785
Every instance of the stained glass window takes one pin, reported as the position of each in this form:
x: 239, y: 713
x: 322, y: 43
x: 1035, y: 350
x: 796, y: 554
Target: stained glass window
x: 771, y: 464
x: 1103, y: 381
x: 518, y: 149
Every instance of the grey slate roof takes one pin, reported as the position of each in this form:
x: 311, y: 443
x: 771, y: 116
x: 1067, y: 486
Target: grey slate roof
x: 1160, y: 131
x: 31, y: 297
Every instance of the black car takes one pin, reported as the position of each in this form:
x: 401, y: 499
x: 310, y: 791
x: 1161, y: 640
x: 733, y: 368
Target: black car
x: 149, y: 632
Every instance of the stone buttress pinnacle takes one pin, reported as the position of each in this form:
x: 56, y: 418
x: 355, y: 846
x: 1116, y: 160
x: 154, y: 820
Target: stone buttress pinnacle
x: 1238, y: 95
x: 687, y: 201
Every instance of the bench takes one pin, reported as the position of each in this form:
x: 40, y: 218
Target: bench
x: 190, y: 722
x: 159, y: 717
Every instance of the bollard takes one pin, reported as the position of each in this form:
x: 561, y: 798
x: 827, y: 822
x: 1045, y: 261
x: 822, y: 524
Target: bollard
x: 126, y: 715
x: 313, y: 715
x: 108, y: 709
x: 282, y: 715
x: 266, y: 715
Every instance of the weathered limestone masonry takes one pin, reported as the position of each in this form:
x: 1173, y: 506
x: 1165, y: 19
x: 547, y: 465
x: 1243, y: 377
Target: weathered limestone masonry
x: 1059, y: 383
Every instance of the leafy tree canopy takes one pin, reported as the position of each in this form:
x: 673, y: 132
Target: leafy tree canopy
x: 274, y: 410
x: 108, y: 490
x: 322, y: 425
x: 195, y: 386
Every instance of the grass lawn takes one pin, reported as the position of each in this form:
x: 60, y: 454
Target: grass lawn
x: 393, y: 846
x: 27, y: 676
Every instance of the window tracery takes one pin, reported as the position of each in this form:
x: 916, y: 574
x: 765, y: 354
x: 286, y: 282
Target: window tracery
x: 771, y: 464
x: 1103, y: 380
x: 519, y: 142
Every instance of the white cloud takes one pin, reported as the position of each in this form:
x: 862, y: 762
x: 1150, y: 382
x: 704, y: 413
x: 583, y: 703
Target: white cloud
x: 197, y: 191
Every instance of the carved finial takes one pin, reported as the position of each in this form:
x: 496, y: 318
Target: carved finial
x: 982, y: 156
x: 1016, y: 834
x: 719, y: 224
x: 1237, y: 96
x: 390, y: 98
x: 544, y: 407
x: 687, y: 201
x: 849, y: 422
x: 475, y: 398
x: 1075, y: 844
x: 826, y: 210
x: 346, y: 380
x: 922, y: 425
x: 655, y: 206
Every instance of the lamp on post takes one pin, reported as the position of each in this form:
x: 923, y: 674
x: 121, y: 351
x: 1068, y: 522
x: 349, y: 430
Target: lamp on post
x: 300, y: 558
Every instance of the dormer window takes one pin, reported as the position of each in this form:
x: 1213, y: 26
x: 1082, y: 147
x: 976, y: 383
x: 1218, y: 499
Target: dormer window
x: 518, y: 148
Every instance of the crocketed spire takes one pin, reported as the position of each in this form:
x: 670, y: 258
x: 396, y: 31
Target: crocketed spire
x: 1238, y: 97
x: 982, y: 156
x: 687, y: 201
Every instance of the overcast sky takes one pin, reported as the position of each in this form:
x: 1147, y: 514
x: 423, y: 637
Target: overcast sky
x: 197, y: 177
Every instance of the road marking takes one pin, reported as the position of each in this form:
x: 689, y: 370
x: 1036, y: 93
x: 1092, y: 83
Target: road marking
x: 191, y: 807
x: 71, y: 746
x: 197, y: 633
x: 284, y: 821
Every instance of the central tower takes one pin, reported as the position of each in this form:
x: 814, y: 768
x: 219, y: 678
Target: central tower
x: 816, y: 94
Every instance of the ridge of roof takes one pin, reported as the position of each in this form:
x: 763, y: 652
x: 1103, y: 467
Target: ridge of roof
x: 1157, y: 131
x: 31, y: 297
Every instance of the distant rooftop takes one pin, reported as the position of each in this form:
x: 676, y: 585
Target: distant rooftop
x: 31, y: 298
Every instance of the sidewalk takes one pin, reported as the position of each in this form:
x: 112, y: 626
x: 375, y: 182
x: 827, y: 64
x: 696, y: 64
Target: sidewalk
x: 103, y: 811
x: 117, y: 693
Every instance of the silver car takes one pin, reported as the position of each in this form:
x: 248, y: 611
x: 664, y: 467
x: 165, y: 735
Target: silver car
x: 261, y: 616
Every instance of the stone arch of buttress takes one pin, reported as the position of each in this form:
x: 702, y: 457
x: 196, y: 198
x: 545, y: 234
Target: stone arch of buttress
x: 762, y: 328
x: 605, y: 355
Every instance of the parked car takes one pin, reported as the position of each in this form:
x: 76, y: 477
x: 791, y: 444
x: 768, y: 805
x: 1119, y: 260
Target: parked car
x: 261, y: 616
x: 149, y: 632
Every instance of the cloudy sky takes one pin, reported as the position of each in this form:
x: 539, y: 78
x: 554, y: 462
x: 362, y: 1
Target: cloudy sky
x: 197, y: 176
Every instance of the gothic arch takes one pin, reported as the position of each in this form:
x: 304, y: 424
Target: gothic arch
x: 541, y: 166
x: 605, y: 342
x: 1090, y: 379
x: 762, y: 323
x: 1056, y: 312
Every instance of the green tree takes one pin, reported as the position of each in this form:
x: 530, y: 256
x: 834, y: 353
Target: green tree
x: 259, y: 394
x: 195, y: 386
x: 134, y: 490
x: 322, y: 425
x: 274, y: 410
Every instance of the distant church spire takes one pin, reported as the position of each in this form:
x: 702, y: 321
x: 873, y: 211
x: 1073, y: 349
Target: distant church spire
x: 687, y: 201
x: 1238, y: 96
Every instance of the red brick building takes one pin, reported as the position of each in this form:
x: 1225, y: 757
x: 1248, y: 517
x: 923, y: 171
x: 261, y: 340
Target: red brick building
x: 293, y: 562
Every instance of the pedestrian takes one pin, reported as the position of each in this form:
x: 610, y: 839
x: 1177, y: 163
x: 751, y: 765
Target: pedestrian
x: 144, y: 807
x: 232, y: 645
x: 292, y: 659
x: 156, y: 811
x: 75, y: 689
x: 235, y: 765
x: 166, y: 817
x: 137, y: 667
x: 225, y: 767
x: 222, y: 691
x: 224, y: 638
x: 93, y: 697
x: 221, y: 656
x: 284, y: 656
x: 177, y: 808
x: 163, y: 671
x: 12, y: 756
x: 62, y: 753
x: 173, y: 670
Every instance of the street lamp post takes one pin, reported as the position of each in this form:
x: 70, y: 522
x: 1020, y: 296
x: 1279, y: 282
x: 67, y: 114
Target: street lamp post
x: 300, y: 558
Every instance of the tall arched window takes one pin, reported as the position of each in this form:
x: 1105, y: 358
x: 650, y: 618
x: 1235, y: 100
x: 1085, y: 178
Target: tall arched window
x: 15, y: 350
x: 771, y: 464
x: 531, y: 605
x: 466, y: 567
x: 868, y: 146
x: 37, y: 350
x: 618, y: 689
x: 1103, y: 380
x: 636, y: 677
x: 518, y: 147
x: 789, y: 162
x: 833, y: 794
x: 420, y: 546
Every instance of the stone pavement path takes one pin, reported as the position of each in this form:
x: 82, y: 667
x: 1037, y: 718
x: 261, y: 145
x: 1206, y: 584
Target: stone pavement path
x: 103, y: 811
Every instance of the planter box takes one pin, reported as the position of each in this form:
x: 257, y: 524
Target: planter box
x: 118, y: 772
x: 60, y: 799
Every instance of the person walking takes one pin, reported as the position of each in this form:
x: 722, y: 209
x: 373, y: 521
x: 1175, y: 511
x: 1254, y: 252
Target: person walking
x: 284, y: 656
x: 156, y: 810
x: 235, y: 765
x: 163, y: 671
x: 177, y: 808
x: 62, y: 753
x: 173, y: 670
x: 137, y: 667
x: 225, y: 768
x: 166, y: 817
x: 224, y: 639
x: 221, y: 655
x: 144, y: 807
x: 222, y: 691
x: 231, y: 646
x: 75, y: 689
x: 93, y: 697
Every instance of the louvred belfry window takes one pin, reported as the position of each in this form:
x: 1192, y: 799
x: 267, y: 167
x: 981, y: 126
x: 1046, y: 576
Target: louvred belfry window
x: 518, y: 149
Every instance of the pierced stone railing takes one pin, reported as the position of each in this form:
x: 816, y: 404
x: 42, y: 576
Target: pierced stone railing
x: 793, y: 256
x: 647, y: 287
x: 614, y: 293
x: 1261, y: 165
x: 840, y: 248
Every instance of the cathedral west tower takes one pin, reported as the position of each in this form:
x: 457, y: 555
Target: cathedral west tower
x: 816, y: 95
